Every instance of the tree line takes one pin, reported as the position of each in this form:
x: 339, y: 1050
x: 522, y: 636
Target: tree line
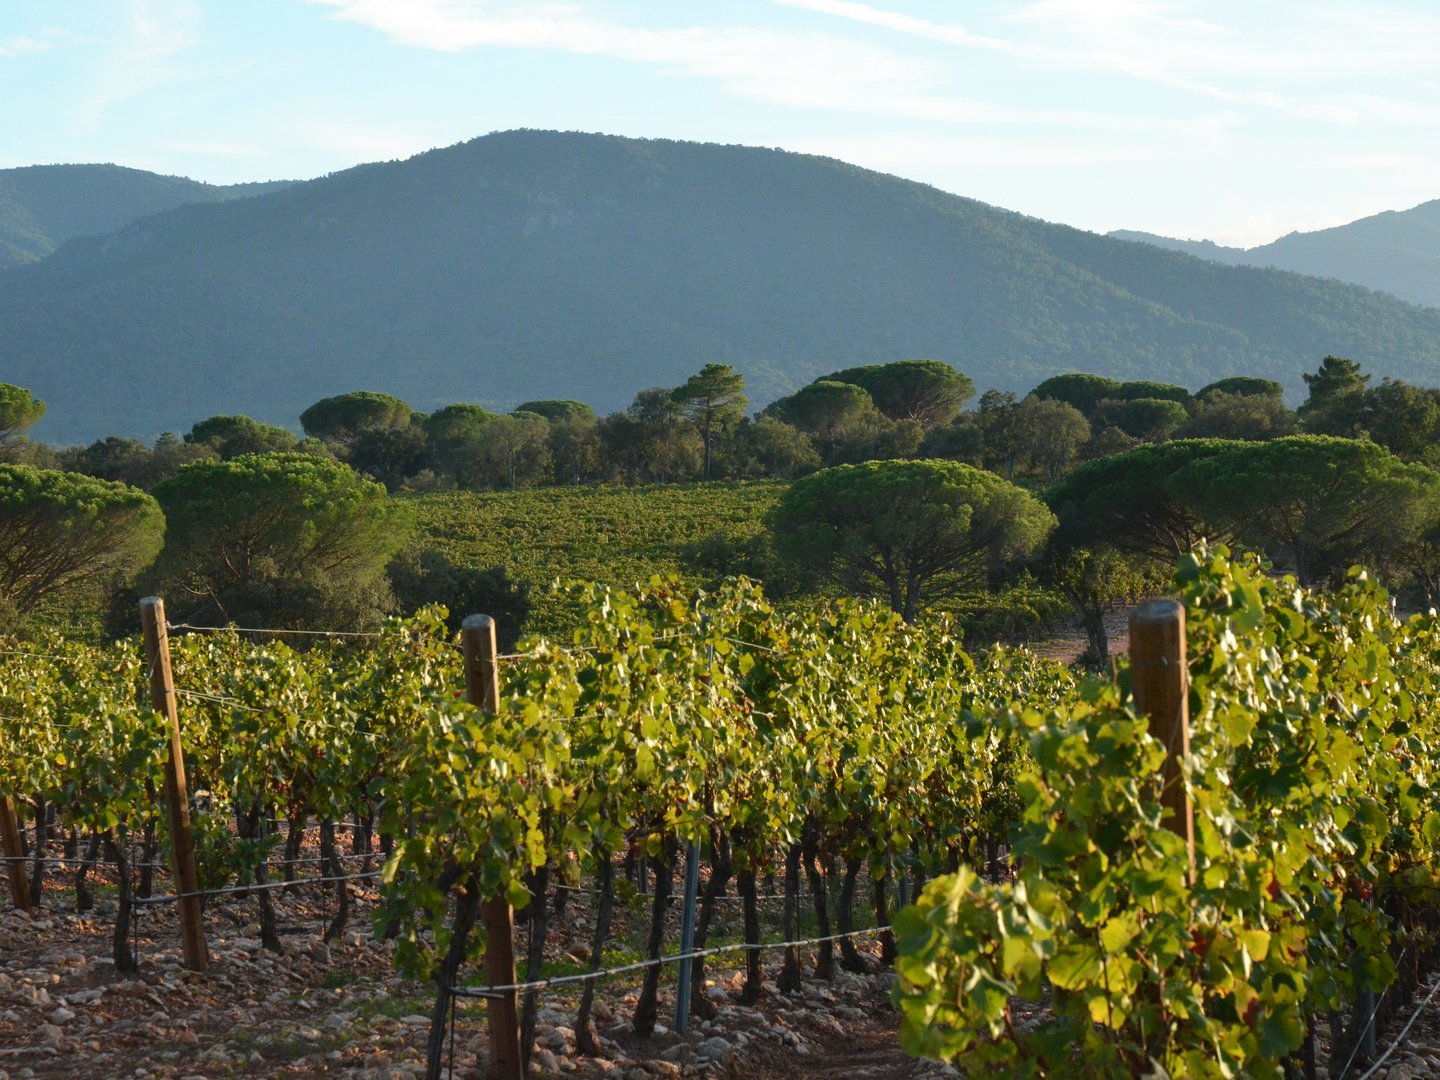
x: 899, y: 490
x: 700, y: 430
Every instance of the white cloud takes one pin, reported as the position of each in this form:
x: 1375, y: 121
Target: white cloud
x: 140, y: 61
x: 42, y: 41
x: 23, y: 44
x: 1294, y: 65
x: 799, y: 68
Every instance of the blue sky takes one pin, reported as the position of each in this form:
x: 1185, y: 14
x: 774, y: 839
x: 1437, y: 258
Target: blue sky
x: 1233, y: 121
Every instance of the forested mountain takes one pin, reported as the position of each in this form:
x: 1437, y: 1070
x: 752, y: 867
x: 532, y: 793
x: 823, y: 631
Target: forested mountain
x: 535, y: 264
x: 1397, y: 252
x: 1201, y: 249
x: 42, y: 206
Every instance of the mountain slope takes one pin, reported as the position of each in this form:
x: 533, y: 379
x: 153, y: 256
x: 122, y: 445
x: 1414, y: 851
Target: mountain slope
x: 1396, y: 252
x: 1201, y: 249
x: 539, y: 264
x: 42, y: 206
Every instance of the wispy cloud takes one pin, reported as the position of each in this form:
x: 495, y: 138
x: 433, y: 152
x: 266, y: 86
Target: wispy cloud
x: 802, y: 68
x: 141, y: 60
x: 1159, y: 43
x: 40, y: 42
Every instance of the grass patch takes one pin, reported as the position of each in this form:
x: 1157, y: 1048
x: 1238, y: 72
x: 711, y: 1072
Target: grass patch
x: 333, y: 980
x: 395, y: 1007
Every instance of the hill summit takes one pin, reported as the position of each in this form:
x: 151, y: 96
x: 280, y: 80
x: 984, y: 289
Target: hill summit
x: 1397, y: 251
x: 534, y: 264
x: 42, y: 206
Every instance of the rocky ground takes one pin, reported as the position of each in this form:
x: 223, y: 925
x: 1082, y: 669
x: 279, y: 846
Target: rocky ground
x: 340, y: 1010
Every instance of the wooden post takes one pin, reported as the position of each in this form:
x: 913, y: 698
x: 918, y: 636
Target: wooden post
x: 687, y: 937
x: 14, y: 855
x: 1160, y: 678
x: 482, y: 688
x: 177, y: 799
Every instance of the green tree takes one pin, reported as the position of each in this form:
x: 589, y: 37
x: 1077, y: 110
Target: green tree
x: 1419, y: 559
x: 130, y: 461
x: 1050, y: 432
x: 286, y: 536
x: 575, y: 450
x: 231, y: 436
x: 1144, y: 419
x: 427, y: 576
x: 1138, y: 389
x: 511, y: 451
x: 963, y: 440
x: 63, y: 530
x: 455, y: 424
x: 1244, y: 386
x: 1128, y: 501
x: 713, y: 399
x: 1121, y: 529
x: 1336, y: 380
x: 1224, y: 414
x: 998, y: 416
x: 879, y: 437
x: 19, y: 411
x: 1313, y: 503
x: 913, y: 531
x: 827, y: 410
x: 1096, y: 581
x: 1081, y: 389
x: 451, y: 430
x: 1402, y: 418
x: 778, y: 449
x: 929, y: 391
x: 650, y: 440
x: 391, y: 455
x: 342, y: 419
x: 559, y: 411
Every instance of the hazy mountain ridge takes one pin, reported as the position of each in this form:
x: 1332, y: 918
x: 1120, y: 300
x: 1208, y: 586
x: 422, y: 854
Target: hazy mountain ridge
x: 43, y: 206
x: 1201, y: 249
x: 538, y: 264
x: 1397, y: 251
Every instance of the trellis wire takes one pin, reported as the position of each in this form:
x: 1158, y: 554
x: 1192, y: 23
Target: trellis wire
x: 641, y: 965
x: 1399, y: 1039
x: 271, y: 630
x: 231, y: 890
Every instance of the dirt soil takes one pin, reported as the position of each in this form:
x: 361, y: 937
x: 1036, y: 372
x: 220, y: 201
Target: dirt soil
x: 340, y: 1010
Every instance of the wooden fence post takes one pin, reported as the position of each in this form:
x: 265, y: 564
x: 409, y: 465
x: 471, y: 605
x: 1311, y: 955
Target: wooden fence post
x: 482, y: 688
x: 1160, y: 677
x: 14, y: 855
x: 177, y: 799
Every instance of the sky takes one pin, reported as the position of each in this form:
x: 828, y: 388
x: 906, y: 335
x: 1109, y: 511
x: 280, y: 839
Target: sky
x: 1231, y: 121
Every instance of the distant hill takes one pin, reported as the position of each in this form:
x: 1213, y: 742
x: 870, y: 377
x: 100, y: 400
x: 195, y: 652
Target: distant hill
x: 1201, y: 249
x: 42, y: 206
x: 534, y: 264
x: 1396, y: 252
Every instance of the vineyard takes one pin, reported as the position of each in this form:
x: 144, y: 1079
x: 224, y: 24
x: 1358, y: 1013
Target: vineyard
x: 821, y: 770
x: 617, y: 535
